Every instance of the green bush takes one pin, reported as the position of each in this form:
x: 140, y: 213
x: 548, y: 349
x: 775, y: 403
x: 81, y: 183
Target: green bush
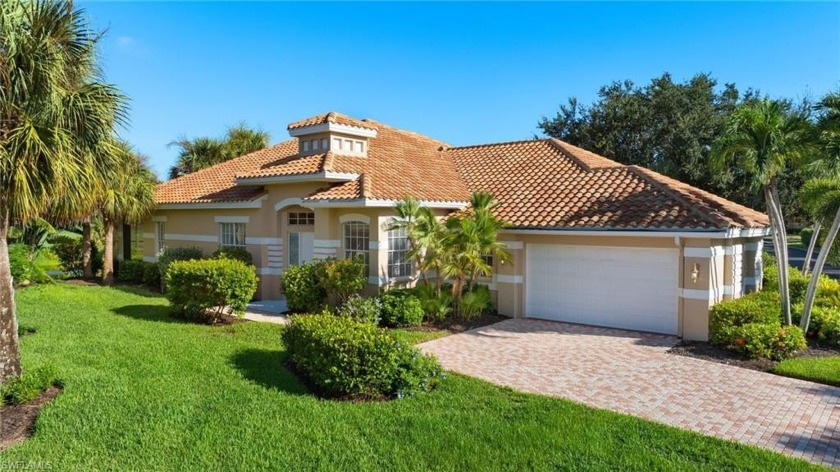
x: 476, y: 302
x: 751, y: 325
x: 237, y: 253
x: 401, y: 308
x: 20, y: 263
x: 349, y: 359
x: 303, y: 291
x: 805, y: 235
x: 201, y: 289
x: 27, y: 387
x: 798, y: 283
x: 828, y: 292
x: 69, y: 253
x: 131, y: 271
x: 151, y: 274
x: 342, y: 278
x: 825, y: 325
x: 364, y: 309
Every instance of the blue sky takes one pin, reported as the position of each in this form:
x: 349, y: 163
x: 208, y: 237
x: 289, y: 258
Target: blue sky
x: 464, y: 73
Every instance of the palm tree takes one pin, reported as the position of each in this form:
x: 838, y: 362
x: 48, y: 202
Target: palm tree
x: 761, y: 139
x: 431, y: 237
x: 128, y: 197
x: 822, y: 196
x: 408, y: 213
x: 200, y: 153
x: 54, y: 115
x: 242, y: 139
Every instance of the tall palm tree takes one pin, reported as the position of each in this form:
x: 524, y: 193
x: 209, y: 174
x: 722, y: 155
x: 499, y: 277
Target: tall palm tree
x: 196, y: 154
x: 822, y: 196
x: 55, y: 112
x: 242, y: 139
x: 761, y: 139
x: 431, y: 236
x: 128, y: 197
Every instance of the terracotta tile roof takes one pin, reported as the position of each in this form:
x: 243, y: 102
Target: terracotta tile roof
x: 552, y: 184
x: 539, y: 183
x: 331, y: 117
x: 217, y: 183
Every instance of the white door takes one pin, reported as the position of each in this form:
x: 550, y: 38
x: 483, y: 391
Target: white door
x: 619, y: 287
x: 301, y: 247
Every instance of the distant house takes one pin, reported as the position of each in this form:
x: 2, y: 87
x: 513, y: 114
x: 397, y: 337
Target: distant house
x: 593, y: 241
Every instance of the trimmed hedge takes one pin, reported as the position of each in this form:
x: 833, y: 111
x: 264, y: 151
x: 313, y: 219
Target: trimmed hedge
x: 140, y: 272
x: 304, y: 293
x: 364, y: 309
x: 798, y: 282
x: 752, y: 326
x: 401, y: 308
x: 349, y: 359
x: 202, y: 289
x: 69, y: 253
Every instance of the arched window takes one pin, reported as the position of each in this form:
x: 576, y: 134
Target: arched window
x: 357, y: 240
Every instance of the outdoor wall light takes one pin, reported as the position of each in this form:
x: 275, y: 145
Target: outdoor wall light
x: 695, y: 272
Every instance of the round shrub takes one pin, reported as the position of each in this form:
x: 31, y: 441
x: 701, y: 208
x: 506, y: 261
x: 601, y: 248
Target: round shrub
x: 237, y: 253
x: 825, y: 325
x: 131, y: 271
x: 805, y: 235
x: 400, y: 308
x: 363, y: 309
x: 151, y: 274
x: 203, y: 289
x: 342, y: 278
x: 303, y: 291
x: 757, y: 307
x: 20, y: 264
x: 798, y: 283
x: 69, y: 252
x: 349, y: 359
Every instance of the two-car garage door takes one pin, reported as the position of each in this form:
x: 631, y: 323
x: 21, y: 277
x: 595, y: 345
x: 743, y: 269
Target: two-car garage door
x: 620, y: 287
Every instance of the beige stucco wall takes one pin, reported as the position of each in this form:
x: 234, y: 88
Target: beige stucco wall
x: 726, y: 268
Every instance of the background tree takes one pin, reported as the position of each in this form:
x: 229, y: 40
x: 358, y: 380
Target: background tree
x: 128, y: 197
x: 669, y: 127
x: 55, y: 112
x: 822, y: 195
x: 760, y: 140
x: 200, y: 153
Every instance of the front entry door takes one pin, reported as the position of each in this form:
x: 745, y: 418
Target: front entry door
x: 300, y: 248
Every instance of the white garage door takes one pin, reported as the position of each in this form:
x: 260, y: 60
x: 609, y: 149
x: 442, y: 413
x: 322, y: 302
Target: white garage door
x: 630, y: 288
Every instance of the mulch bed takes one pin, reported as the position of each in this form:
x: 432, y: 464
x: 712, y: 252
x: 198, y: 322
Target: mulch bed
x: 17, y: 422
x: 709, y: 352
x: 459, y: 325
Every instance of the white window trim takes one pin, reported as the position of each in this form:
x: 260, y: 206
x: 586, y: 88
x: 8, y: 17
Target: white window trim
x: 354, y: 217
x: 222, y: 235
x: 232, y: 219
x: 390, y: 249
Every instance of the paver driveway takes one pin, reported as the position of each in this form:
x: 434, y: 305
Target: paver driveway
x: 632, y: 373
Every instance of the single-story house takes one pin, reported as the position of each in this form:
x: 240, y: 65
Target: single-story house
x: 592, y: 241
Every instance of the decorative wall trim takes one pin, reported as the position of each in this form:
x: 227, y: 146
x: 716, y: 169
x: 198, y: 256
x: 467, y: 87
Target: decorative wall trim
x: 148, y: 235
x: 695, y: 294
x: 509, y: 279
x: 373, y: 203
x: 212, y: 206
x: 333, y: 128
x: 232, y: 219
x: 326, y: 243
x: 287, y: 202
x: 353, y: 217
x: 264, y: 241
x: 380, y: 281
x: 269, y: 271
x: 198, y: 238
x: 513, y: 244
x: 706, y: 252
x: 161, y: 219
x: 150, y: 259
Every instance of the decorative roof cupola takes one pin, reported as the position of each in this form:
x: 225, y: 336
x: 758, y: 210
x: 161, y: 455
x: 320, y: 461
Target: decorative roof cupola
x: 332, y: 132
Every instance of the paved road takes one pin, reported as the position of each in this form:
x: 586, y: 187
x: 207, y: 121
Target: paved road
x: 633, y: 373
x: 797, y: 259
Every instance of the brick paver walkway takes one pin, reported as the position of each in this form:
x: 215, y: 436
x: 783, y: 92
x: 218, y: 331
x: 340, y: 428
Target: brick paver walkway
x: 631, y: 373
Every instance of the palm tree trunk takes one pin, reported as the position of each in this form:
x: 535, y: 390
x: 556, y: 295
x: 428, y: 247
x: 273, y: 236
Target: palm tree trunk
x: 806, y: 266
x: 780, y: 244
x: 783, y: 240
x: 87, y: 250
x: 811, y: 293
x: 108, y: 257
x: 9, y: 346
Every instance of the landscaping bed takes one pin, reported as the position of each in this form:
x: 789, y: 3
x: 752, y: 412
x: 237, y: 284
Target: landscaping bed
x: 17, y: 422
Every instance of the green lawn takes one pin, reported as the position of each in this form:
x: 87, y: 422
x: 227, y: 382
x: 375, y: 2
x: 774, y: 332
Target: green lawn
x: 818, y: 369
x: 146, y: 392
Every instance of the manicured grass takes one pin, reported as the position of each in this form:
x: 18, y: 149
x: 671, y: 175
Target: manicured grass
x: 417, y: 337
x: 818, y: 369
x: 47, y: 261
x: 146, y: 392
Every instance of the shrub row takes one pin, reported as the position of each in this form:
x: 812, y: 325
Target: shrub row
x: 346, y: 358
x: 751, y: 325
x: 140, y: 272
x: 201, y: 289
